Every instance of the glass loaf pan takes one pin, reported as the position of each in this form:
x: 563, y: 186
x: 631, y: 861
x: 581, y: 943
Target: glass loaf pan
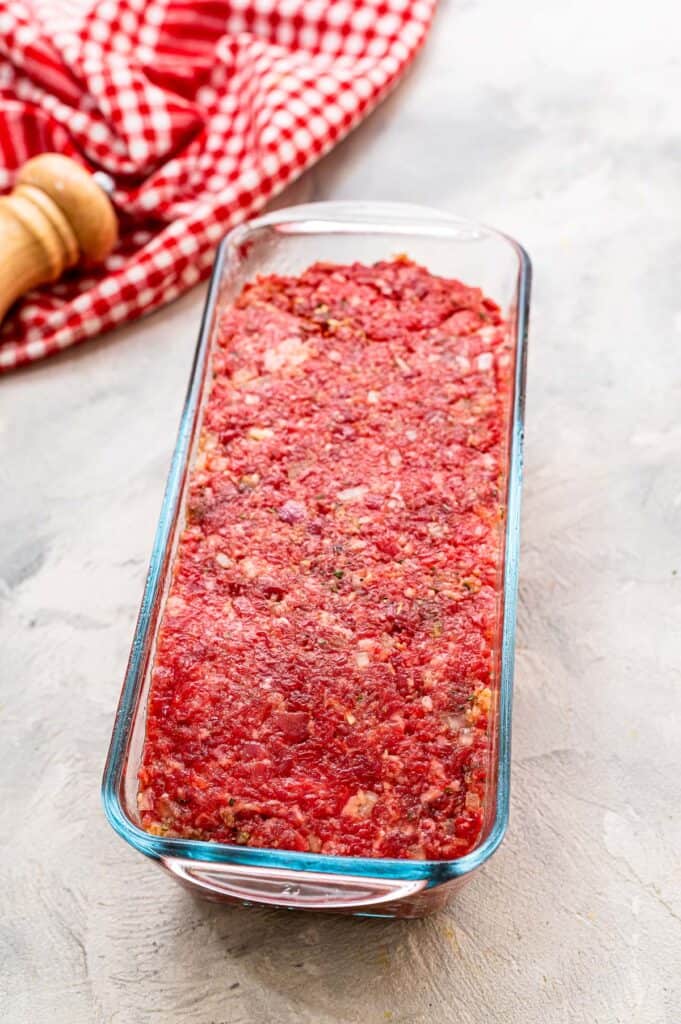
x: 286, y: 242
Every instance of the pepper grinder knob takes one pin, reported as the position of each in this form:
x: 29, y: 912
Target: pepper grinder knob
x: 57, y: 215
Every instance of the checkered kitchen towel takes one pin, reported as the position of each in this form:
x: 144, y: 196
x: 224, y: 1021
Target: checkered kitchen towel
x: 200, y: 110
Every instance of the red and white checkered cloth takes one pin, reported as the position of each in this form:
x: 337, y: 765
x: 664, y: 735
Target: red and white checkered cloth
x: 200, y: 110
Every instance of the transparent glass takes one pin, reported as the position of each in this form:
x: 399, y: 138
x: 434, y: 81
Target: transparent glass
x: 287, y: 241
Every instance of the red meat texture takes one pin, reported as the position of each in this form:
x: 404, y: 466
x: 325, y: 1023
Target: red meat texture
x: 324, y: 678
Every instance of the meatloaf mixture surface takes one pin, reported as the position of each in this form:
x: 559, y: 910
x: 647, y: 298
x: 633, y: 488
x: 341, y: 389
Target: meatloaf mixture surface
x: 324, y: 671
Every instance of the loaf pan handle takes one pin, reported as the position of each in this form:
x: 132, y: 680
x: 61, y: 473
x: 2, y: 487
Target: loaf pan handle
x: 300, y: 890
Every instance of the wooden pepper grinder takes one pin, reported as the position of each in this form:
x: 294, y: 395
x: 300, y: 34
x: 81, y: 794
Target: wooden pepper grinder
x: 56, y: 216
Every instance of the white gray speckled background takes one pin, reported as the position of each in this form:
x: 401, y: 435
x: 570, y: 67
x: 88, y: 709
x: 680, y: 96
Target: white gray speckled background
x: 562, y: 124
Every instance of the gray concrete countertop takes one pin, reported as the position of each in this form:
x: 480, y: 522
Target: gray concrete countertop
x: 559, y: 123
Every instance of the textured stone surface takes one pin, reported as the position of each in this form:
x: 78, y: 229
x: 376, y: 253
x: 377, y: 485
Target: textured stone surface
x: 561, y: 125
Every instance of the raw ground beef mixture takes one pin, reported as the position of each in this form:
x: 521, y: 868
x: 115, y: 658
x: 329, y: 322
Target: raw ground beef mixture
x: 325, y: 662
